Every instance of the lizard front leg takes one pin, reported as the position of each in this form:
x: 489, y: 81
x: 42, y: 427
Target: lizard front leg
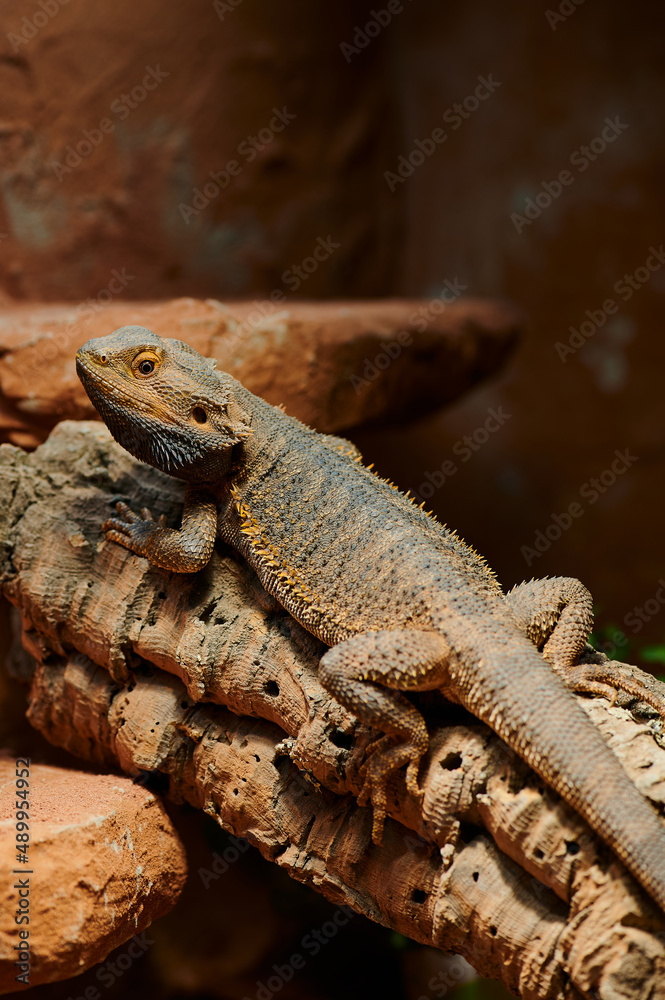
x: 556, y: 614
x: 357, y: 672
x: 182, y: 551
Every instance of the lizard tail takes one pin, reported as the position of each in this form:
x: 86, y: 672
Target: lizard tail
x: 528, y: 705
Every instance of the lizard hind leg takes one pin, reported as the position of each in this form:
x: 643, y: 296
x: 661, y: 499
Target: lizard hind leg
x: 365, y: 673
x: 556, y: 614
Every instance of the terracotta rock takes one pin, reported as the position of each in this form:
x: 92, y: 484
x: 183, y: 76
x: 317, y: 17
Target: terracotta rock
x: 332, y: 364
x: 104, y: 862
x: 96, y: 180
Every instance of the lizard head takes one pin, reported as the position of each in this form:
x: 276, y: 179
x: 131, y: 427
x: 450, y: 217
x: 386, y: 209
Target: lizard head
x: 164, y: 402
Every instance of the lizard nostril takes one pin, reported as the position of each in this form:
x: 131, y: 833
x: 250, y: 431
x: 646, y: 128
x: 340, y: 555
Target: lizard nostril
x: 199, y: 414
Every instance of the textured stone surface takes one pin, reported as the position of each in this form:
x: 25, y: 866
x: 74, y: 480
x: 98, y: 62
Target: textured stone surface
x: 333, y: 364
x: 78, y: 201
x: 105, y: 863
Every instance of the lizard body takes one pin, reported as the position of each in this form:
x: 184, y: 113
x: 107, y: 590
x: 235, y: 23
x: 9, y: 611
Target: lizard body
x: 401, y: 600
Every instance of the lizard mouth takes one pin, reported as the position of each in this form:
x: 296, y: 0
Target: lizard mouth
x: 108, y: 394
x: 141, y: 426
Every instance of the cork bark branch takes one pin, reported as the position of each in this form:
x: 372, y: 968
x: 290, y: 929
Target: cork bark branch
x: 204, y: 685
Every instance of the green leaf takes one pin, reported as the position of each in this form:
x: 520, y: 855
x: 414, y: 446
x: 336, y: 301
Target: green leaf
x: 480, y: 989
x: 653, y: 654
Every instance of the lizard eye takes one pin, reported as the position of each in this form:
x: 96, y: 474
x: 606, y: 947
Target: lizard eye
x: 144, y: 364
x: 199, y: 414
x: 103, y: 359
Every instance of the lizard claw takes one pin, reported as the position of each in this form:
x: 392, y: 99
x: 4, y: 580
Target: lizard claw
x: 131, y: 529
x: 128, y: 514
x: 412, y: 779
x: 374, y: 792
x: 386, y: 758
x: 146, y: 515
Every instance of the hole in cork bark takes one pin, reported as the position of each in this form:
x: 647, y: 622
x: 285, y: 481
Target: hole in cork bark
x: 475, y: 876
x: 493, y: 931
x: 468, y: 832
x: 271, y: 688
x: 538, y: 853
x: 340, y: 739
x: 418, y: 896
x: 451, y: 762
x: 572, y: 847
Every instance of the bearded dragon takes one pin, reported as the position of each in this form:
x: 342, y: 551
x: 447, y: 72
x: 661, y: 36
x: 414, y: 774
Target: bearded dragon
x: 403, y: 603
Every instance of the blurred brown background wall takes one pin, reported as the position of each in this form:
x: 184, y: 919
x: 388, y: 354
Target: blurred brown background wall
x: 511, y: 150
